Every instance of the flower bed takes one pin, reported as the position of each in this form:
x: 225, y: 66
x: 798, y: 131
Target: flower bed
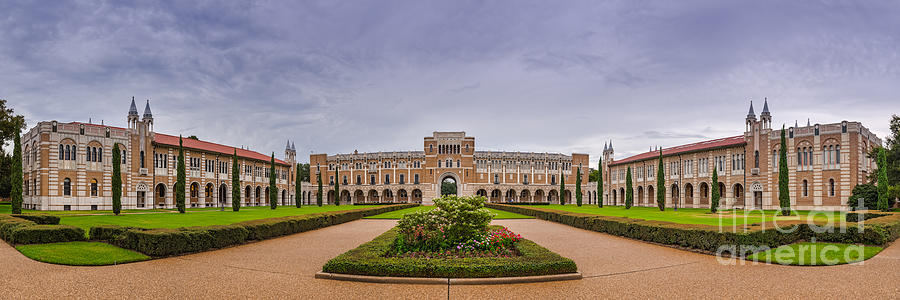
x: 498, y: 242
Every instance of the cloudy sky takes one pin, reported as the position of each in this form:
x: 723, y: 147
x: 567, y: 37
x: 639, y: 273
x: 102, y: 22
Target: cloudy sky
x: 544, y: 76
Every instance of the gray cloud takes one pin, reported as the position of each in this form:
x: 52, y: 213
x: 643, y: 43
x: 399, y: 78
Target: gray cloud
x: 517, y: 75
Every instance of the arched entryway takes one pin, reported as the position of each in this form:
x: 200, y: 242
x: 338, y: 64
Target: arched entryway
x: 676, y: 195
x: 525, y: 196
x: 481, y: 192
x: 359, y: 196
x: 284, y: 197
x: 615, y: 196
x: 417, y: 196
x: 208, y: 195
x: 258, y: 195
x: 704, y: 194
x: 402, y: 196
x: 195, y: 194
x: 247, y: 195
x: 495, y: 195
x: 223, y: 194
x: 689, y: 194
x: 387, y: 196
x: 449, y: 184
x: 651, y: 196
x: 738, y: 194
x: 553, y: 196
x: 160, y: 194
x: 510, y: 196
x: 539, y: 196
x: 640, y: 195
x: 345, y: 197
x: 373, y: 196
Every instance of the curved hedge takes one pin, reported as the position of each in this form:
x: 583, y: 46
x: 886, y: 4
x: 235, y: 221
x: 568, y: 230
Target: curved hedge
x: 369, y: 259
x: 174, y: 241
x: 37, y: 229
x: 879, y: 231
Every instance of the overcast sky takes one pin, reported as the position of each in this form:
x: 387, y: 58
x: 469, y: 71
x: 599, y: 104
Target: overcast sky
x: 543, y: 76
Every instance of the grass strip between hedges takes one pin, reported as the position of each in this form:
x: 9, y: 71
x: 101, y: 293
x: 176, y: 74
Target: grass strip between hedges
x: 816, y: 254
x: 80, y: 254
x: 368, y: 259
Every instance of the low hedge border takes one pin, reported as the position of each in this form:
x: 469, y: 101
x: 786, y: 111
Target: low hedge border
x: 379, y: 203
x: 524, y: 203
x: 161, y: 242
x: 880, y: 231
x: 369, y: 260
x: 856, y: 217
x: 37, y: 229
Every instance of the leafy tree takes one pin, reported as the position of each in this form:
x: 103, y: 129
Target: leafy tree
x: 298, y: 193
x: 562, y: 188
x: 629, y: 190
x: 304, y: 170
x: 882, y: 181
x: 867, y: 193
x: 660, y: 184
x: 319, y: 196
x: 600, y: 183
x: 716, y: 194
x: 180, y: 180
x: 594, y: 175
x: 16, y: 180
x: 892, y: 148
x: 578, y: 186
x: 193, y: 137
x: 337, y: 189
x: 448, y: 187
x: 273, y: 190
x: 10, y: 126
x: 784, y: 197
x: 117, y: 179
x: 235, y: 183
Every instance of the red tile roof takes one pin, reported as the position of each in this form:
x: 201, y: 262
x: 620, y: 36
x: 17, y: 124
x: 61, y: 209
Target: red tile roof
x: 687, y: 148
x: 172, y: 140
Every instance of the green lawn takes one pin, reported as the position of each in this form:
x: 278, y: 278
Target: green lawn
x: 399, y: 213
x: 692, y: 215
x: 80, y: 254
x: 816, y: 254
x: 197, y: 217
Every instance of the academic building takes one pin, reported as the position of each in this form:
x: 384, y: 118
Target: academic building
x: 825, y: 162
x: 416, y: 176
x: 68, y: 166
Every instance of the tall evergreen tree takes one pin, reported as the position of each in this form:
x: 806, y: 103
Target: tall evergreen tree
x: 319, y: 196
x: 883, y: 203
x: 578, y: 186
x: 180, y: 180
x: 562, y: 188
x: 16, y: 180
x: 116, y: 179
x: 600, y: 183
x: 235, y: 183
x: 273, y: 190
x: 716, y: 194
x: 629, y: 190
x: 784, y: 197
x: 660, y: 184
x: 298, y: 193
x: 337, y: 188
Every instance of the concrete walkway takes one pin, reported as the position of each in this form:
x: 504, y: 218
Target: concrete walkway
x: 284, y: 268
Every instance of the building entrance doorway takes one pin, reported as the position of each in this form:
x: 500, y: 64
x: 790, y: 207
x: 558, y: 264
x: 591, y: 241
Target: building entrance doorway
x: 757, y: 200
x: 448, y: 186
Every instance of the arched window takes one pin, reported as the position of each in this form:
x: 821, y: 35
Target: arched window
x: 402, y: 179
x: 496, y: 178
x: 68, y: 154
x: 142, y: 158
x: 831, y: 187
x: 805, y: 189
x: 457, y: 163
x: 62, y: 152
x: 756, y: 159
x: 67, y: 187
x: 100, y: 154
x: 439, y: 164
x: 87, y: 153
x: 93, y: 187
x: 837, y: 154
x: 799, y: 157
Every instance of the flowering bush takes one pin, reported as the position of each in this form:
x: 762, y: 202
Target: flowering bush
x: 495, y: 243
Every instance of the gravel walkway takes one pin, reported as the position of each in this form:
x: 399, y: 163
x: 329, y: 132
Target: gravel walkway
x: 284, y: 268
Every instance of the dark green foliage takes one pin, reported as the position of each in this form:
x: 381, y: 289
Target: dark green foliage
x: 892, y: 147
x: 716, y: 193
x: 117, y: 179
x: 168, y: 241
x: 866, y: 192
x: 578, y: 186
x: 368, y: 259
x: 629, y: 190
x: 15, y: 181
x: 337, y: 188
x: 448, y: 188
x: 273, y: 190
x: 562, y: 188
x: 40, y: 219
x: 235, y: 183
x: 600, y: 182
x: 784, y: 195
x: 883, y: 184
x: 594, y: 175
x: 298, y: 192
x: 18, y: 230
x: 10, y: 127
x: 319, y: 195
x: 856, y: 217
x: 660, y: 184
x: 180, y: 181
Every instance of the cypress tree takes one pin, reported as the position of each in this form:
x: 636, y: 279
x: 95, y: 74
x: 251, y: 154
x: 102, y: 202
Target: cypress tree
x: 116, y: 179
x: 600, y: 183
x: 716, y: 194
x: 337, y: 188
x: 298, y: 193
x: 883, y: 202
x: 784, y: 197
x: 16, y: 179
x: 562, y: 188
x: 235, y: 183
x: 578, y: 186
x: 660, y: 184
x: 273, y: 190
x: 180, y: 181
x: 319, y: 196
x: 629, y: 190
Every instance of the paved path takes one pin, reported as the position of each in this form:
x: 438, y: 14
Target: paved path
x: 284, y: 268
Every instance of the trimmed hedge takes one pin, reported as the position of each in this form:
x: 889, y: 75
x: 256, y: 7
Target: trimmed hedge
x: 41, y: 219
x: 525, y: 203
x: 174, y: 241
x: 880, y: 231
x: 856, y: 217
x: 16, y: 230
x: 380, y: 203
x: 369, y: 259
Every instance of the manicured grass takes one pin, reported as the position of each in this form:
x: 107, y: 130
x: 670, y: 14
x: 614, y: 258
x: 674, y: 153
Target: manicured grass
x: 693, y: 215
x: 80, y: 254
x: 816, y: 254
x: 396, y: 215
x: 196, y: 217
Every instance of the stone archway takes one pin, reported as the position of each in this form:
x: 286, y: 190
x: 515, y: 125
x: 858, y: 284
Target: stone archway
x: 449, y: 184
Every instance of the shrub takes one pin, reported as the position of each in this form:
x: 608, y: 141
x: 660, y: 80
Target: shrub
x: 15, y: 230
x: 856, y: 217
x: 456, y: 219
x: 41, y: 219
x: 866, y: 192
